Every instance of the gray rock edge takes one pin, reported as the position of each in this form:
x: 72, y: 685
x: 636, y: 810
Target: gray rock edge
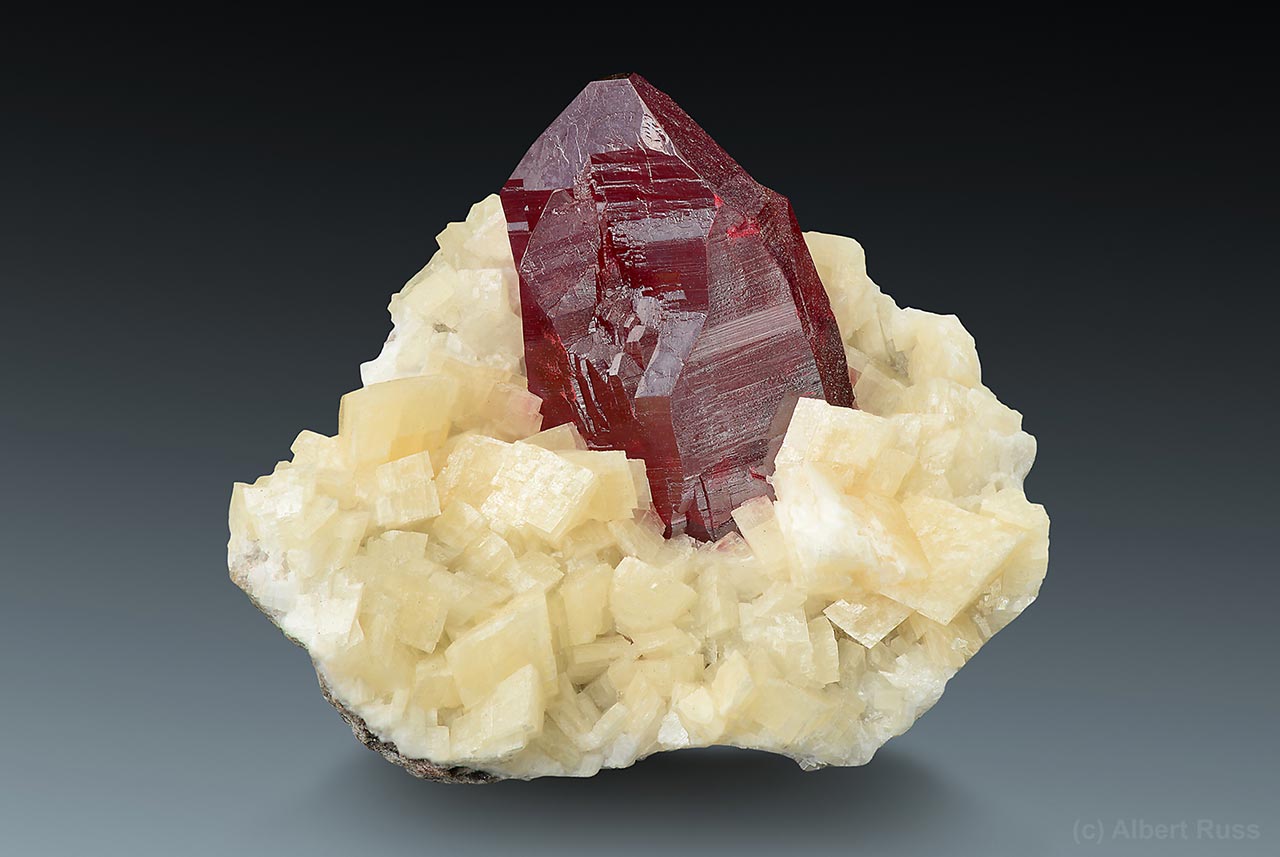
x: 421, y: 768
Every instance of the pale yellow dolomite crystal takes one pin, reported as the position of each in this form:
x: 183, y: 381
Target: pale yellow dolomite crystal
x: 481, y: 596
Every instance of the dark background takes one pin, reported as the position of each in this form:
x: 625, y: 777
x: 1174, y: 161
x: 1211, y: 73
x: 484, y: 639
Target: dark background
x: 198, y: 238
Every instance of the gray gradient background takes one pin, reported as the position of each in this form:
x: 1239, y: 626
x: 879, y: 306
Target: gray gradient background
x: 196, y: 249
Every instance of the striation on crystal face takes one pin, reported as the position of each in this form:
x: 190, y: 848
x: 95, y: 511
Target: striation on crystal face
x: 670, y: 306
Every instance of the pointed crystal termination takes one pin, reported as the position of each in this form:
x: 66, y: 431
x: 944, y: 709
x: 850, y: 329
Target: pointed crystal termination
x: 670, y: 305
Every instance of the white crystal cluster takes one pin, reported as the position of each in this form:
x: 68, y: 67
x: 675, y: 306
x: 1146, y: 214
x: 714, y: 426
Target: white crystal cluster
x: 487, y: 595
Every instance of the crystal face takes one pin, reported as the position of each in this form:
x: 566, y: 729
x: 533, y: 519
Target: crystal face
x: 670, y: 306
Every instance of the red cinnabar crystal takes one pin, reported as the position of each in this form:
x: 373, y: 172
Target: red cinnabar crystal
x: 670, y: 305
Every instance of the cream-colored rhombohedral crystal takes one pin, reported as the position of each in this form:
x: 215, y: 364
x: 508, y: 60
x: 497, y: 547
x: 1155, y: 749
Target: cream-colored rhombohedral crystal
x: 485, y: 599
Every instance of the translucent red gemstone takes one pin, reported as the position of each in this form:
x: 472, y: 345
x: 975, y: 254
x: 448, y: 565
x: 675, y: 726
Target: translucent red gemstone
x: 670, y: 305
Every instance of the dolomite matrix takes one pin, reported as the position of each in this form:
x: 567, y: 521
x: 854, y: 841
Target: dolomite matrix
x: 493, y: 582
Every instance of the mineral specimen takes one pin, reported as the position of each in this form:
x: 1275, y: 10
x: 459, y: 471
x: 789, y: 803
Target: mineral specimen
x: 670, y: 305
x: 484, y: 597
